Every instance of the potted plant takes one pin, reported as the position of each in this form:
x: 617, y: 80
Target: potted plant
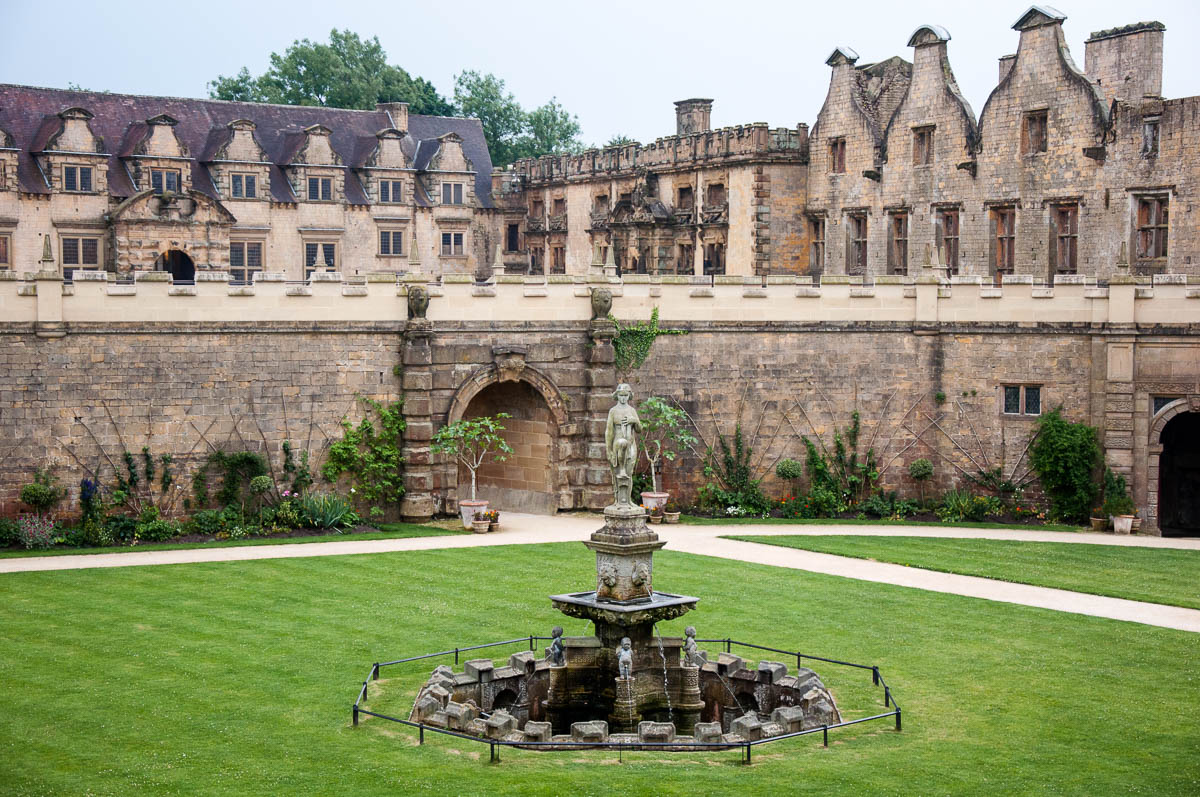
x: 664, y: 437
x: 481, y: 524
x: 1117, y: 504
x: 656, y: 513
x: 671, y: 513
x: 1099, y: 519
x: 494, y: 518
x: 471, y: 441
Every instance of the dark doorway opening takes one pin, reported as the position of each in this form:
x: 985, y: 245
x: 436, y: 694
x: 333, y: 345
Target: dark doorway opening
x: 1179, y: 477
x: 179, y: 264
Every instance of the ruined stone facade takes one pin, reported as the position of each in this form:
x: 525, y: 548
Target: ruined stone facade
x: 941, y: 359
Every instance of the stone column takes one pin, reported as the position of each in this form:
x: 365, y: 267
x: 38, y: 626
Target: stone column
x: 601, y: 382
x: 417, y: 505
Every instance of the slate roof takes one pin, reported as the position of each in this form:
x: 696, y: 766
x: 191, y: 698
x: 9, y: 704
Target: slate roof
x: 29, y: 114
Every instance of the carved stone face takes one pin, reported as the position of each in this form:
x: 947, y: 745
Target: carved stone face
x: 418, y: 301
x: 601, y: 303
x: 623, y: 394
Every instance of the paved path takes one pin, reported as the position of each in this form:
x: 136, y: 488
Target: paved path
x: 705, y: 540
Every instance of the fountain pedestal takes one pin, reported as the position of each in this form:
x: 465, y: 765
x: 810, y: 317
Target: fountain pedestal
x: 623, y: 605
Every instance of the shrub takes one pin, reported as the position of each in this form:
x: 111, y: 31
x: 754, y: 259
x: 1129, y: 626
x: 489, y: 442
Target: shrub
x: 43, y: 494
x: 10, y: 532
x: 733, y: 485
x: 371, y: 456
x: 157, y: 530
x: 1116, y: 495
x: 921, y: 470
x: 206, y: 521
x: 1065, y: 456
x: 663, y: 435
x: 36, y: 531
x: 842, y: 473
x: 287, y: 513
x: 789, y: 469
x: 959, y: 505
x: 888, y: 505
x: 120, y: 528
x: 326, y: 511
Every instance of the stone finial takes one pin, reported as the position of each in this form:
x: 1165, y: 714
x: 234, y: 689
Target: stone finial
x: 47, y: 253
x: 610, y: 264
x: 1123, y: 257
x: 414, y: 251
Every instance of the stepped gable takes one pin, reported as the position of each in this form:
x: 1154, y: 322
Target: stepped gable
x: 30, y: 115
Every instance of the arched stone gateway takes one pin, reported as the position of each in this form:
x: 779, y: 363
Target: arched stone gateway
x: 179, y: 264
x: 535, y: 477
x: 1173, y: 497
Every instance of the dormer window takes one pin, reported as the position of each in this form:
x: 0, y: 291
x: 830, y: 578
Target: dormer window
x: 164, y: 180
x: 320, y: 189
x: 243, y: 186
x: 77, y: 178
x: 391, y: 191
x: 452, y: 193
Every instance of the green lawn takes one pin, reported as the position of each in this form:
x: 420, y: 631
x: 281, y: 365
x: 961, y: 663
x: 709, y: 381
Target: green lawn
x: 1158, y: 575
x: 387, y: 531
x: 697, y: 520
x: 237, y: 678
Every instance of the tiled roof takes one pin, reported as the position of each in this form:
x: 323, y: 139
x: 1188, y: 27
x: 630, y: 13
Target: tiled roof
x: 31, y: 115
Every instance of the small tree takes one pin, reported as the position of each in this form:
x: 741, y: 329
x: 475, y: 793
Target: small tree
x: 921, y: 471
x: 43, y: 493
x: 1065, y: 456
x: 663, y: 434
x: 471, y: 440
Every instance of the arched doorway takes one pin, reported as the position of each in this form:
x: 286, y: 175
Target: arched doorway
x: 1179, y: 476
x: 525, y: 482
x: 179, y: 264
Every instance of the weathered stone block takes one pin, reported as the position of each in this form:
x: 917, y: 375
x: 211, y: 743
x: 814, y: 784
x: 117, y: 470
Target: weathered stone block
x: 500, y: 724
x: 708, y: 732
x: 790, y: 717
x: 523, y: 661
x: 594, y: 731
x: 459, y: 714
x: 728, y: 663
x: 748, y: 726
x: 770, y: 672
x: 656, y: 731
x: 479, y: 669
x: 426, y: 707
x: 538, y: 731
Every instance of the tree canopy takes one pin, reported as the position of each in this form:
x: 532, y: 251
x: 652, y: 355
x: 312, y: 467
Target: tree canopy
x: 348, y: 72
x: 352, y: 72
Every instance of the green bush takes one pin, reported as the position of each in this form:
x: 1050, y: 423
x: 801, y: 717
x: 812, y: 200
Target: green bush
x: 789, y: 469
x: 731, y: 483
x: 1065, y: 456
x: 370, y: 455
x: 959, y: 505
x: 156, y: 531
x: 206, y: 521
x: 121, y: 529
x: 43, y: 494
x: 1116, y: 495
x: 326, y: 511
x: 888, y: 505
x: 10, y: 533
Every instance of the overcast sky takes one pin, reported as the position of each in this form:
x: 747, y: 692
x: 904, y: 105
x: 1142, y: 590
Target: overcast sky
x: 618, y: 65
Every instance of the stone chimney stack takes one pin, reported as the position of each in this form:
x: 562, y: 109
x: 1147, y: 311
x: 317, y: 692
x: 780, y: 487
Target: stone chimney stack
x: 693, y: 116
x: 1126, y: 61
x: 399, y: 113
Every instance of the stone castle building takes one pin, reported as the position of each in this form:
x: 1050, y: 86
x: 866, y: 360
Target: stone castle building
x: 191, y: 275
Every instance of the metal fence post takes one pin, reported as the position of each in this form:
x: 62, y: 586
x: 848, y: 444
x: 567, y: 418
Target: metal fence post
x: 456, y: 657
x: 375, y: 672
x: 897, y: 718
x: 354, y: 713
x: 875, y: 676
x: 747, y: 754
x: 825, y: 734
x: 421, y: 729
x: 887, y: 696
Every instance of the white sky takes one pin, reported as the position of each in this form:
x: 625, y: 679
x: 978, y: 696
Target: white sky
x: 618, y: 65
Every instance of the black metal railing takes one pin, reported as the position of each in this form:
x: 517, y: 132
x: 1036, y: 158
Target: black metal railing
x: 744, y: 747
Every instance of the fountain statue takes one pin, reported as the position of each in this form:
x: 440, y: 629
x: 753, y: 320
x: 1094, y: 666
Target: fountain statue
x: 624, y: 678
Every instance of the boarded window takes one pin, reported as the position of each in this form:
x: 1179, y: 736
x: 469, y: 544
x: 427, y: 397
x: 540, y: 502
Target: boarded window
x: 683, y: 263
x: 1152, y: 212
x: 856, y: 250
x: 947, y: 237
x: 560, y: 207
x: 558, y: 255
x: 686, y: 198
x: 536, y: 260
x: 837, y: 155
x: 512, y: 241
x: 1065, y: 232
x: 898, y: 244
x: 600, y: 204
x: 1033, y: 134
x: 923, y: 146
x: 537, y: 209
x: 816, y: 247
x: 715, y: 194
x: 1149, y: 138
x: 1004, y: 225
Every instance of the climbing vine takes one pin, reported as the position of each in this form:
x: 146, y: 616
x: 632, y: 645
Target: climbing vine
x: 237, y: 469
x: 631, y: 346
x: 370, y: 454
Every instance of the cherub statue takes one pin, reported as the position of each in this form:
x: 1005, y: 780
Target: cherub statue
x: 620, y: 441
x: 625, y: 658
x: 558, y: 656
x: 691, y: 652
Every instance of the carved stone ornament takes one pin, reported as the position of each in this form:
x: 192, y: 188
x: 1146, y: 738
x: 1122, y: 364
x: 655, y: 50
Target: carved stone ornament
x: 601, y: 303
x: 1194, y: 403
x: 510, y: 362
x: 418, y: 301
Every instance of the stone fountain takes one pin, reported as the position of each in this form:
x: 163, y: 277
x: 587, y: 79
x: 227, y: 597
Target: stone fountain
x: 624, y: 684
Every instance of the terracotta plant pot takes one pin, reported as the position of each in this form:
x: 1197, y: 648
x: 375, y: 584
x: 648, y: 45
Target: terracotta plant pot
x: 480, y: 526
x: 656, y: 518
x: 1099, y: 523
x: 1122, y: 524
x: 495, y: 526
x: 467, y: 510
x: 1137, y: 524
x: 671, y: 517
x: 650, y: 500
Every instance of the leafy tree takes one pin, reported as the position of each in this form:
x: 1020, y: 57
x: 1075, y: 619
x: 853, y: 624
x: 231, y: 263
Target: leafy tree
x: 921, y: 470
x: 348, y: 72
x: 550, y: 130
x: 471, y: 440
x: 663, y: 434
x: 619, y: 141
x: 485, y: 98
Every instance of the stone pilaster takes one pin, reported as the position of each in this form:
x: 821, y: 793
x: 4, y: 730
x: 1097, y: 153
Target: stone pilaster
x: 601, y: 382
x: 417, y: 382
